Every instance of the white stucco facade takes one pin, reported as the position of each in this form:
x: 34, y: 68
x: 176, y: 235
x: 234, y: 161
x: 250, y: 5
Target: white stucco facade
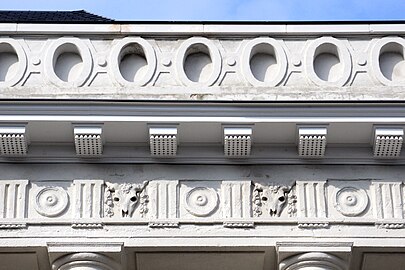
x: 202, y: 145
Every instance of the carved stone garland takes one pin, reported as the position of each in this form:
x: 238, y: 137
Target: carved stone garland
x: 292, y: 203
x: 257, y: 200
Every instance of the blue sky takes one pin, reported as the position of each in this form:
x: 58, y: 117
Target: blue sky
x: 224, y: 9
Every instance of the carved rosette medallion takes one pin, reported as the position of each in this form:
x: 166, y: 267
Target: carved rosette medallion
x: 51, y: 201
x: 351, y: 201
x: 201, y: 201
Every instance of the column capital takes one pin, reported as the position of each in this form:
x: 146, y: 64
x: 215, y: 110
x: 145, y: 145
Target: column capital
x: 85, y: 260
x: 314, y: 255
x: 313, y: 260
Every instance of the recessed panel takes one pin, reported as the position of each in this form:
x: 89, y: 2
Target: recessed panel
x: 386, y: 261
x: 201, y: 261
x: 19, y: 261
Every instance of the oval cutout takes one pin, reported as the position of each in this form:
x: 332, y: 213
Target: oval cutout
x: 8, y: 62
x: 133, y: 65
x: 392, y: 62
x: 263, y: 62
x: 197, y: 63
x: 67, y: 62
x: 327, y: 64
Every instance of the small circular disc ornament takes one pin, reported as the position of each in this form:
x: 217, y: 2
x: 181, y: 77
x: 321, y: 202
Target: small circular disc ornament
x: 351, y: 201
x: 51, y: 201
x: 201, y: 201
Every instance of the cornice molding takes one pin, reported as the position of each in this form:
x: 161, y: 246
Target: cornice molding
x: 204, y: 29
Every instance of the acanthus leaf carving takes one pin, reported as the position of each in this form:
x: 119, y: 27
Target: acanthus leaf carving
x: 123, y: 199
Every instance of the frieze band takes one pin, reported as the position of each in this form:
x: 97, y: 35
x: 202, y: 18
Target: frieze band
x: 235, y: 204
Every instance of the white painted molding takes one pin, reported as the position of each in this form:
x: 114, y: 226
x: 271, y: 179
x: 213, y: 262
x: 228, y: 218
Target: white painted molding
x: 201, y: 29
